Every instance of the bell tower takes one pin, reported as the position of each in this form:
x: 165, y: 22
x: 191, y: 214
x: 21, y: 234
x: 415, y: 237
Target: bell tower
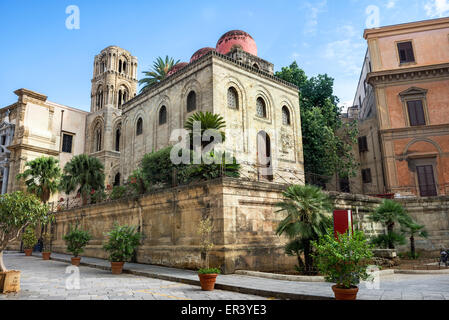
x: 114, y: 82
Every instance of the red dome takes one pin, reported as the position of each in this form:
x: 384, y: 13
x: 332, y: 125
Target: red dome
x: 176, y: 68
x: 201, y: 53
x: 239, y: 39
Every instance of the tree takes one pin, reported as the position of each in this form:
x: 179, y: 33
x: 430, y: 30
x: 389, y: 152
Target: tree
x: 42, y: 177
x: 308, y: 217
x: 18, y: 210
x: 327, y: 142
x: 158, y: 73
x: 389, y: 213
x: 83, y: 174
x: 209, y: 122
x: 413, y: 229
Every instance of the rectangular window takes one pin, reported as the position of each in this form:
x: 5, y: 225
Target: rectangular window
x: 366, y: 176
x: 426, y: 180
x: 363, y: 144
x: 416, y: 113
x: 67, y: 140
x: 405, y: 50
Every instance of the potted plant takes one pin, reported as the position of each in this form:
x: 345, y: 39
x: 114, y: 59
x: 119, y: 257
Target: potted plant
x: 343, y: 261
x: 46, y: 241
x: 122, y: 242
x: 208, y: 276
x: 29, y: 240
x: 76, y: 240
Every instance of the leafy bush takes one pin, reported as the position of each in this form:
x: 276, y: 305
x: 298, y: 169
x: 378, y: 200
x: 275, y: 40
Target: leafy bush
x: 385, y: 240
x: 209, y: 271
x: 76, y: 240
x: 137, y: 183
x: 157, y: 167
x: 343, y: 261
x: 122, y: 242
x: 29, y: 238
x: 118, y: 192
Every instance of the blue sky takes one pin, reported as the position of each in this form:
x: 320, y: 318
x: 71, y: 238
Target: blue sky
x: 324, y: 36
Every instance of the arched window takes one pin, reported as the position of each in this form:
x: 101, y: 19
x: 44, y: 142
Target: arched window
x: 117, y: 139
x: 233, y: 98
x: 285, y: 116
x: 139, y: 127
x: 255, y: 66
x: 120, y: 98
x: 98, y: 138
x: 120, y: 66
x: 117, y: 180
x: 124, y: 66
x: 163, y: 115
x: 191, y: 101
x: 261, y: 108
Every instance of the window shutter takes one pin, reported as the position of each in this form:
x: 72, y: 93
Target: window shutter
x: 406, y: 54
x: 426, y: 181
x: 416, y: 113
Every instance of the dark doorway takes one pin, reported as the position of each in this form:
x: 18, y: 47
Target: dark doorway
x: 426, y: 181
x: 265, y: 164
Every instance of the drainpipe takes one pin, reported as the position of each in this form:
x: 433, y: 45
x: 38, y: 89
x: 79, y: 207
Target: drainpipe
x: 60, y: 130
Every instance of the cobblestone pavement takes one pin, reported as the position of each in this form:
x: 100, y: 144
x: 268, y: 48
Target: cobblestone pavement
x: 47, y: 280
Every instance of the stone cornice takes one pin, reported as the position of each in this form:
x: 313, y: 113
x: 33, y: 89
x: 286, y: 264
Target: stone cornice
x: 407, y: 28
x: 26, y: 92
x: 206, y: 58
x: 405, y: 132
x: 408, y: 74
x: 29, y: 147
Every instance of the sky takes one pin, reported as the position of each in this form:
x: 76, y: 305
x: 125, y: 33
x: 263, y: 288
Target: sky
x: 39, y: 52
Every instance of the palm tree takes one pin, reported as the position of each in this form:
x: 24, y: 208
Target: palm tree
x: 159, y: 72
x: 389, y: 213
x: 42, y: 177
x: 413, y: 229
x: 83, y: 174
x: 308, y: 212
x: 208, y: 121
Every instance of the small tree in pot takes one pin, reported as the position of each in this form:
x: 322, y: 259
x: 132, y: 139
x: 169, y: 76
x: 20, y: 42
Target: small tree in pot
x: 46, y: 242
x: 122, y: 242
x: 29, y: 240
x: 17, y: 211
x: 343, y: 261
x: 76, y: 240
x: 208, y: 276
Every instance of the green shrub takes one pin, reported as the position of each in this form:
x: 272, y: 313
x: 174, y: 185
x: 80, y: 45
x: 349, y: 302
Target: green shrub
x: 118, y: 192
x: 122, y: 242
x: 209, y: 271
x: 29, y: 238
x: 76, y: 240
x: 157, y: 167
x: 384, y: 240
x: 343, y: 261
x: 137, y: 183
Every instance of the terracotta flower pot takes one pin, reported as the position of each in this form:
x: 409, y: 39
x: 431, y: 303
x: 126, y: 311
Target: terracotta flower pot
x: 76, y: 261
x: 345, y: 294
x: 207, y: 281
x: 28, y: 252
x: 46, y: 255
x: 117, y: 267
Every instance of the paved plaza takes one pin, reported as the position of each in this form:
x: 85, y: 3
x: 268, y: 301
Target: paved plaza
x: 49, y: 280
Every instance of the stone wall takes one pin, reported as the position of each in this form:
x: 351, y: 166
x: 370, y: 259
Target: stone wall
x: 244, y: 215
x: 434, y: 214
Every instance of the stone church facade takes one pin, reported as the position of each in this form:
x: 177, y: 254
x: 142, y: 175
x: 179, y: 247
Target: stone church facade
x: 263, y: 127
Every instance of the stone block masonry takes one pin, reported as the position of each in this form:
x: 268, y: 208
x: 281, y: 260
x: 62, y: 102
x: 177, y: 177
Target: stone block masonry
x: 244, y: 216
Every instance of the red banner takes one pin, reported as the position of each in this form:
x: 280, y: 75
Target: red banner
x: 343, y: 222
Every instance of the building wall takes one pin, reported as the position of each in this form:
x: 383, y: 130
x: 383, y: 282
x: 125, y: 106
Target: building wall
x: 38, y: 132
x: 404, y: 147
x: 244, y: 217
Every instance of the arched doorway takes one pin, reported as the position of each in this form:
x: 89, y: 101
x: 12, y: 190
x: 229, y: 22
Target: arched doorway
x: 264, y: 160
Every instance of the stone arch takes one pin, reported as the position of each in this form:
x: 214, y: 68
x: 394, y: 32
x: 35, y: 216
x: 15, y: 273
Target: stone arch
x: 417, y: 140
x: 192, y: 85
x: 262, y: 92
x: 97, y: 134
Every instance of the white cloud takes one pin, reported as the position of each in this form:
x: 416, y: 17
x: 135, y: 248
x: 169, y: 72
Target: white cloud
x: 391, y: 4
x: 347, y: 53
x: 437, y: 8
x: 313, y: 10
